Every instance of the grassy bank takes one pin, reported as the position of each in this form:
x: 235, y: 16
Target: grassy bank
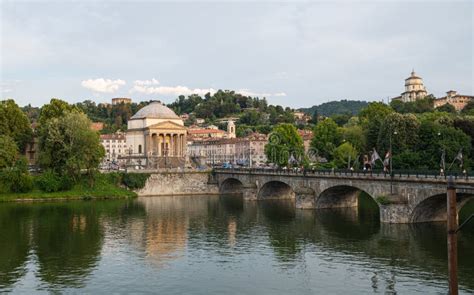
x: 106, y: 186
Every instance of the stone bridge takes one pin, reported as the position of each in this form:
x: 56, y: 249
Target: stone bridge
x: 403, y: 198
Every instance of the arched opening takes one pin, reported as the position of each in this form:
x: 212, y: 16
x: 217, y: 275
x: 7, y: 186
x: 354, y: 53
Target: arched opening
x: 352, y: 207
x: 231, y: 186
x: 276, y: 190
x: 342, y: 196
x: 433, y: 209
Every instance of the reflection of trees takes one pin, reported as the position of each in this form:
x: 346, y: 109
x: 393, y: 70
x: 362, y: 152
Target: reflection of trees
x: 68, y: 239
x: 14, y: 242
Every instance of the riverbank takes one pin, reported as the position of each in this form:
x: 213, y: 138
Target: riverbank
x: 105, y: 187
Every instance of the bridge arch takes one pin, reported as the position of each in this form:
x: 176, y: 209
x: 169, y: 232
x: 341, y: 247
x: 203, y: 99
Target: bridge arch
x: 275, y: 189
x: 231, y: 186
x: 434, y: 208
x: 339, y: 196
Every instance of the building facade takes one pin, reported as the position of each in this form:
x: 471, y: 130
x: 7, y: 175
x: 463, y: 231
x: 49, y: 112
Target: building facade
x: 156, y: 138
x: 246, y: 151
x: 119, y: 100
x: 414, y: 89
x: 115, y: 146
x: 459, y: 101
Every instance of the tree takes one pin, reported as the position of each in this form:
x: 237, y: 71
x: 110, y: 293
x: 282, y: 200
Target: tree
x: 371, y: 119
x: 448, y: 108
x: 355, y: 135
x: 343, y: 154
x: 434, y: 138
x: 283, y: 144
x: 68, y: 145
x: 406, y: 126
x: 8, y: 151
x: 55, y: 109
x: 14, y: 123
x: 327, y: 136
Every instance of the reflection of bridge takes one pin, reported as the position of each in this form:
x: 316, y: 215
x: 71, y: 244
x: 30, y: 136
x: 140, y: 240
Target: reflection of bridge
x: 414, y: 197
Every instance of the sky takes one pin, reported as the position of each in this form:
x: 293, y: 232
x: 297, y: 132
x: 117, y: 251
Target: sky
x: 295, y: 54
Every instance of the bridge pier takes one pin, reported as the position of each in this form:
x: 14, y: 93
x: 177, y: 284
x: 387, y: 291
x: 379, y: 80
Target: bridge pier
x: 305, y: 198
x: 394, y: 213
x: 249, y: 193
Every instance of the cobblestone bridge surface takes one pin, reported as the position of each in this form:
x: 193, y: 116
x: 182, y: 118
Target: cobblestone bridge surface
x: 402, y: 198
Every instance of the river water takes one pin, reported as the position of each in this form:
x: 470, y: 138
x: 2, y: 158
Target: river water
x: 221, y: 245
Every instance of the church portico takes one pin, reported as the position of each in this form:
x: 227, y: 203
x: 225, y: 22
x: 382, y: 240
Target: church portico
x: 157, y: 138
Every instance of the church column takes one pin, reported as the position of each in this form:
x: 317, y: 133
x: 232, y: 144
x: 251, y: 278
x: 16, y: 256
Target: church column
x: 180, y: 152
x: 158, y: 143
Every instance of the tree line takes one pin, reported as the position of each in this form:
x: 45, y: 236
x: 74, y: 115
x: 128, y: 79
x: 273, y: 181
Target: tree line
x: 419, y: 136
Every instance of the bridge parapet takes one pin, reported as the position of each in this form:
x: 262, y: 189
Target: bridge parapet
x: 408, y: 196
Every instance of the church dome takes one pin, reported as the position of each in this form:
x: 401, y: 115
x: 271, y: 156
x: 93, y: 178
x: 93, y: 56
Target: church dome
x: 155, y: 110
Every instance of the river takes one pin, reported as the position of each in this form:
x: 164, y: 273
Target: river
x: 221, y: 245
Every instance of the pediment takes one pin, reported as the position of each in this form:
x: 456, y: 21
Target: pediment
x: 167, y: 125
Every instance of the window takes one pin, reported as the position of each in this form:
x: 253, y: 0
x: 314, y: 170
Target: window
x: 139, y: 148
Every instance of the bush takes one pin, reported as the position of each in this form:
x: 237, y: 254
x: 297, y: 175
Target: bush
x: 134, y: 180
x: 382, y: 200
x: 16, y: 181
x: 50, y: 182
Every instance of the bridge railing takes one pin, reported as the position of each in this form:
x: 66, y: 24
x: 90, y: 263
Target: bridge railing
x: 428, y: 174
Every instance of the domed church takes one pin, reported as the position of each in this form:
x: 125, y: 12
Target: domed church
x: 156, y: 138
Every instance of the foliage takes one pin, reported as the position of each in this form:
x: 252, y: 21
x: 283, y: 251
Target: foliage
x: 406, y: 127
x: 14, y: 123
x: 105, y: 186
x: 68, y: 145
x: 284, y: 142
x: 448, y: 108
x: 417, y: 106
x: 352, y: 107
x: 371, y: 118
x: 341, y: 119
x: 16, y: 179
x: 382, y: 200
x: 55, y: 109
x: 434, y: 138
x: 49, y: 181
x: 135, y: 180
x: 8, y: 151
x: 355, y: 135
x: 343, y: 154
x: 327, y: 136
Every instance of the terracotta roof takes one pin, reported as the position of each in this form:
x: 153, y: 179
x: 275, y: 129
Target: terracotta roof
x: 204, y: 131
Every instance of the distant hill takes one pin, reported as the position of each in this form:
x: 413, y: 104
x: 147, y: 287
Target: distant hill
x: 337, y: 107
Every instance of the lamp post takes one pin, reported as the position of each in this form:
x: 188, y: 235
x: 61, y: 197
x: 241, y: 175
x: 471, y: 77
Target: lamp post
x: 391, y: 160
x: 442, y: 162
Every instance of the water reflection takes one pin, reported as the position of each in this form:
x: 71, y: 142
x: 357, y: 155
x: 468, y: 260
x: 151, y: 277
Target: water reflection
x: 71, y: 246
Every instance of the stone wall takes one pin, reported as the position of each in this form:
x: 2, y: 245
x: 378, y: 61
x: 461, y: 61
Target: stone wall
x: 179, y: 183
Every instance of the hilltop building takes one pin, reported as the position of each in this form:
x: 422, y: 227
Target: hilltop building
x: 119, y: 100
x: 156, y: 138
x: 459, y: 101
x: 414, y: 89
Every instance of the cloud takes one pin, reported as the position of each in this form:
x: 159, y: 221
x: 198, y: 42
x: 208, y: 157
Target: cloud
x: 103, y: 85
x: 147, y: 82
x: 170, y: 90
x: 247, y: 92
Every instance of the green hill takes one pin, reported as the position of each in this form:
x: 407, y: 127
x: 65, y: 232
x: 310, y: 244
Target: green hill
x: 337, y: 107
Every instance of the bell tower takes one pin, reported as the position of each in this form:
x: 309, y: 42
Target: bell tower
x: 230, y: 129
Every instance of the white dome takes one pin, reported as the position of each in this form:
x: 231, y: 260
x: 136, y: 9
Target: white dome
x: 155, y: 110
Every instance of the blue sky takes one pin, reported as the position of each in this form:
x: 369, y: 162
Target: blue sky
x: 295, y: 54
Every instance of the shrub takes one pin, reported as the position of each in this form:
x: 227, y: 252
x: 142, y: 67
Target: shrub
x: 16, y: 181
x: 382, y: 200
x: 134, y: 180
x: 50, y: 182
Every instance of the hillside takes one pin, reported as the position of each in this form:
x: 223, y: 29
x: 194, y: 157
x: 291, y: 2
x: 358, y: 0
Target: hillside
x: 337, y: 107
